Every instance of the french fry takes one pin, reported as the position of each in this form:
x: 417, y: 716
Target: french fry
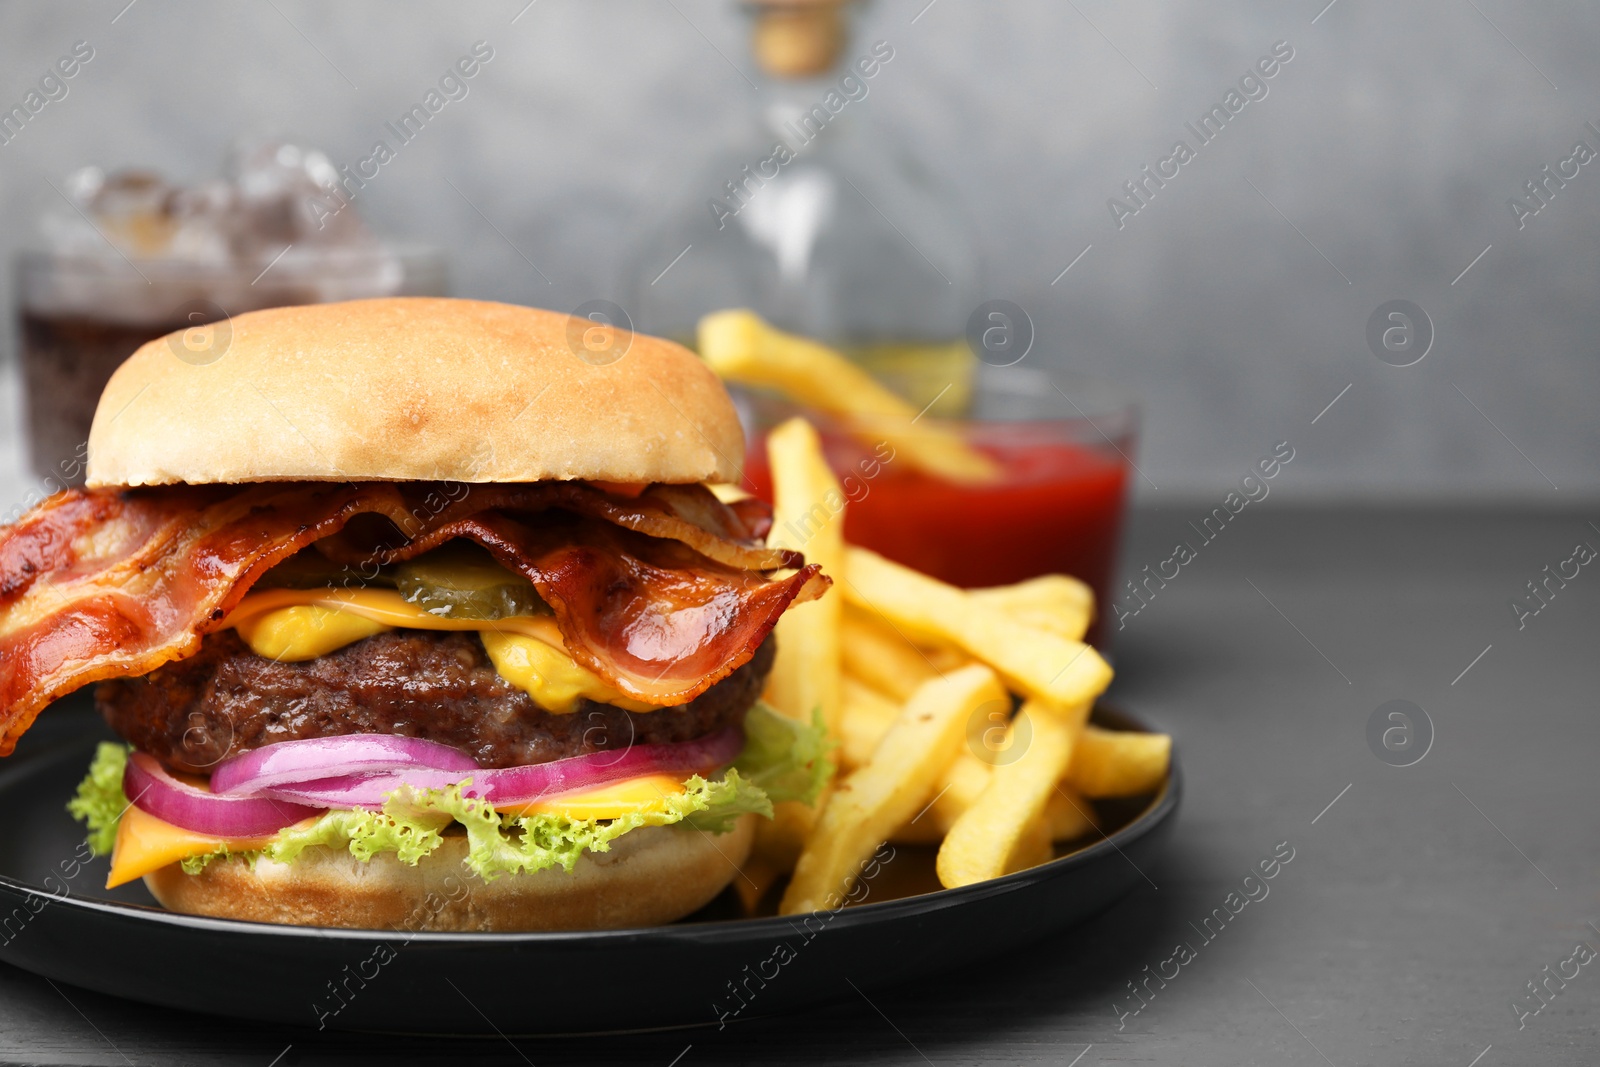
x: 1125, y: 762
x: 867, y: 716
x: 915, y: 831
x: 944, y: 657
x: 881, y: 658
x: 1032, y: 848
x: 984, y: 839
x: 868, y: 805
x: 806, y: 674
x: 962, y: 783
x: 895, y: 663
x: 780, y: 840
x: 1069, y: 815
x: 1119, y: 763
x: 740, y: 347
x: 1041, y: 665
x: 756, y: 877
x: 727, y: 492
x: 1054, y: 602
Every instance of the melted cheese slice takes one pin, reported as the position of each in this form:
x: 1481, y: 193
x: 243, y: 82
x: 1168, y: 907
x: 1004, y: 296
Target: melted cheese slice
x: 146, y: 843
x: 647, y: 793
x: 294, y: 625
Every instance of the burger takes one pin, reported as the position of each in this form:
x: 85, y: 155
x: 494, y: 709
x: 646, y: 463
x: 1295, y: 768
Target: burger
x: 414, y: 613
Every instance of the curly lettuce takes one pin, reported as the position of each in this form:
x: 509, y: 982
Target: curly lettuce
x: 498, y: 843
x: 788, y: 759
x: 782, y: 760
x: 99, y: 803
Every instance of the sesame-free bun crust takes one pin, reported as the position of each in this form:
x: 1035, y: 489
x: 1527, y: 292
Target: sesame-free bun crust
x: 411, y: 389
x: 651, y: 875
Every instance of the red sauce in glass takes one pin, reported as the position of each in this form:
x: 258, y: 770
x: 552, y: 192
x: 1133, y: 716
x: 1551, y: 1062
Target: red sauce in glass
x: 1056, y: 509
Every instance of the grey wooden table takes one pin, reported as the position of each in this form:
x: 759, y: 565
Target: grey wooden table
x: 1419, y: 904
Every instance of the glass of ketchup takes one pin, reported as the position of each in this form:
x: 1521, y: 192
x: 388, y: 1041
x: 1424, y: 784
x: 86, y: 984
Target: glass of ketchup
x: 1062, y: 445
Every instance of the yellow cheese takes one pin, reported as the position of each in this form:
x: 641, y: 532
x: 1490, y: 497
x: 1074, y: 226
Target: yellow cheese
x: 292, y: 635
x: 610, y: 801
x: 292, y: 625
x: 146, y: 843
x: 389, y: 608
x: 548, y: 674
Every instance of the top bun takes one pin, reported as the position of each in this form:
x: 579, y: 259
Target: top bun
x: 412, y: 389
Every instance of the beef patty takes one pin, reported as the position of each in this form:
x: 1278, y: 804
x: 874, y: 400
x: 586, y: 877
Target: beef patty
x: 193, y: 714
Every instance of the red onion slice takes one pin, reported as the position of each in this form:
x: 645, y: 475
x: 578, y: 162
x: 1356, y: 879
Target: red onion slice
x: 289, y: 762
x: 509, y: 786
x: 369, y: 790
x: 155, y: 791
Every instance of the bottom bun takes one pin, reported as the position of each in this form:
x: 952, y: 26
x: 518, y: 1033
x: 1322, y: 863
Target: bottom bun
x: 651, y: 875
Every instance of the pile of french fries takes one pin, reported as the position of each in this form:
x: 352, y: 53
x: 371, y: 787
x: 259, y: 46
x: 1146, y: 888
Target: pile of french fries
x: 960, y: 716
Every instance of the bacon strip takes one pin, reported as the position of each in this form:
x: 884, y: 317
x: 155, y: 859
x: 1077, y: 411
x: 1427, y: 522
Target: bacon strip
x: 729, y: 534
x: 652, y: 617
x: 688, y: 513
x: 102, y: 584
x: 106, y: 585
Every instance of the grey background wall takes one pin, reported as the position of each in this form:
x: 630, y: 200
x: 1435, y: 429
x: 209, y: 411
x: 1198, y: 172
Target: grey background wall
x: 1378, y: 167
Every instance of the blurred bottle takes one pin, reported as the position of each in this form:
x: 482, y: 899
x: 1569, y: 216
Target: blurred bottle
x: 818, y: 218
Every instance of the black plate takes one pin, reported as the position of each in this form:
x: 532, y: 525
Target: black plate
x: 55, y: 920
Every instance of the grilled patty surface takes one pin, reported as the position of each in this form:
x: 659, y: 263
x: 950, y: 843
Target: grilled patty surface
x: 193, y: 714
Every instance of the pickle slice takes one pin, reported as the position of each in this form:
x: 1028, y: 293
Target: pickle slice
x: 462, y: 581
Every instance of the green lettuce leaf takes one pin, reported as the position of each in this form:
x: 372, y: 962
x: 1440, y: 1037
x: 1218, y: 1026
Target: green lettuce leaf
x: 196, y: 864
x: 100, y: 802
x: 409, y: 834
x: 787, y: 758
x: 725, y: 801
x: 497, y: 843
